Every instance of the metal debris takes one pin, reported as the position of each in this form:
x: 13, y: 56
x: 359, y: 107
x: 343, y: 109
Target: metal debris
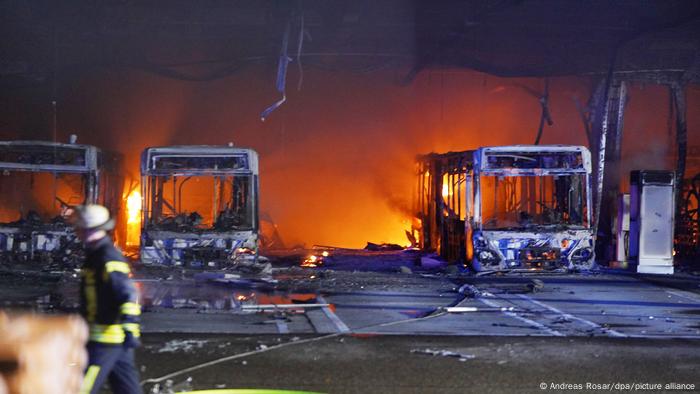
x: 472, y: 291
x: 185, y: 345
x: 444, y: 353
x: 535, y: 285
x: 170, y: 387
x: 382, y: 247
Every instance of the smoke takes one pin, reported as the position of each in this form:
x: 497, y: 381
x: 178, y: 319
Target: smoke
x: 337, y: 159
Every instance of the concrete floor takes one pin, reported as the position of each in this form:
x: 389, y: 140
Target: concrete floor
x: 384, y: 316
x: 397, y: 364
x: 614, y: 305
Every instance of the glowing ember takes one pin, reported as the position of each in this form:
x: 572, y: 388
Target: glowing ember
x: 313, y: 261
x: 133, y: 221
x: 245, y: 251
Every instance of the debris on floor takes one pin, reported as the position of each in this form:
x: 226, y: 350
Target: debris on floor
x: 472, y: 291
x: 315, y: 260
x: 535, y: 285
x: 431, y: 262
x: 444, y: 353
x: 561, y: 320
x: 259, y: 266
x: 382, y: 247
x: 235, y: 279
x: 185, y: 345
x: 170, y: 387
x: 466, y: 309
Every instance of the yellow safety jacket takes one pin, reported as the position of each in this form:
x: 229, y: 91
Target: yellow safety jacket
x: 109, y: 299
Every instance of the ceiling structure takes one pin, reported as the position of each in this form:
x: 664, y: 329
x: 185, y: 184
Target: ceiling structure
x: 656, y: 39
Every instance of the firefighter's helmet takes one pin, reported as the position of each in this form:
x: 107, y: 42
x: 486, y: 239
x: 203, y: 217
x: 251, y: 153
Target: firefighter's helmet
x: 92, y: 217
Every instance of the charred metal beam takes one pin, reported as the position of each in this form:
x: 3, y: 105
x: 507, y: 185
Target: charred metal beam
x: 613, y: 152
x: 617, y: 123
x: 679, y: 102
x: 599, y: 109
x: 608, y: 155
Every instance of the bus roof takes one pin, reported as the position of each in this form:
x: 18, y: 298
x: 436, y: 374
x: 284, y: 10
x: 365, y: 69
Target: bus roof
x: 40, y: 156
x: 198, y: 160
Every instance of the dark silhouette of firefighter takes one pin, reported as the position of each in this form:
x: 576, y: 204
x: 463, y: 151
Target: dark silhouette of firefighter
x: 109, y: 303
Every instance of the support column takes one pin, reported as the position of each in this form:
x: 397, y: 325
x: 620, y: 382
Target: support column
x: 609, y: 130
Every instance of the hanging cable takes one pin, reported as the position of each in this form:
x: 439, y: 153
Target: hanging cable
x: 284, y: 60
x: 544, y: 102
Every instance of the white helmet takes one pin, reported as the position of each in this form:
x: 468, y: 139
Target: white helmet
x: 92, y: 217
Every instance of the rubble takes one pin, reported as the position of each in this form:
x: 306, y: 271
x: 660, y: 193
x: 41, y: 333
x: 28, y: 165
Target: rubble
x: 382, y: 247
x: 535, y: 285
x: 469, y: 290
x: 170, y: 387
x: 444, y: 353
x: 275, y: 307
x: 185, y: 345
x: 312, y: 261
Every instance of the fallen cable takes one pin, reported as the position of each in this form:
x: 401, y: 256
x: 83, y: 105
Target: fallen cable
x: 236, y: 356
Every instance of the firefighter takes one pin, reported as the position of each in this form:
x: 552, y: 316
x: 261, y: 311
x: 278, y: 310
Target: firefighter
x: 109, y: 303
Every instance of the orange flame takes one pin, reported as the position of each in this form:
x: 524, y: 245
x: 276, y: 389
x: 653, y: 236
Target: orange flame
x: 312, y: 261
x: 133, y: 221
x: 445, y: 190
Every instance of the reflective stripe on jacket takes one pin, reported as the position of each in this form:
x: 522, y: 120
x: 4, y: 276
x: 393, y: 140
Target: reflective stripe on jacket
x: 109, y: 299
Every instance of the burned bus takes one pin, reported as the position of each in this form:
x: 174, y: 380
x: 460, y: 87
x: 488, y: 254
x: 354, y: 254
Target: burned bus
x: 507, y: 207
x: 200, y: 205
x: 39, y: 184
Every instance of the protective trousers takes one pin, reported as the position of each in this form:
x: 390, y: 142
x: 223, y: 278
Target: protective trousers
x: 114, y: 363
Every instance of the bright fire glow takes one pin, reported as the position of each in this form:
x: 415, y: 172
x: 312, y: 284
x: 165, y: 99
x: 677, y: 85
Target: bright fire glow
x: 445, y: 190
x: 312, y: 261
x: 133, y: 221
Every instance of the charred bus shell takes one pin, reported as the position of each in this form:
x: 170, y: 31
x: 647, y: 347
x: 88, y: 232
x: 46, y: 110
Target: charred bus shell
x: 507, y: 207
x: 40, y: 182
x: 200, y: 205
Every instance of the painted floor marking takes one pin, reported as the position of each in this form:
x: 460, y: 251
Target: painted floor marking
x: 332, y: 316
x: 572, y: 317
x: 282, y: 326
x: 685, y: 295
x: 522, y: 319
